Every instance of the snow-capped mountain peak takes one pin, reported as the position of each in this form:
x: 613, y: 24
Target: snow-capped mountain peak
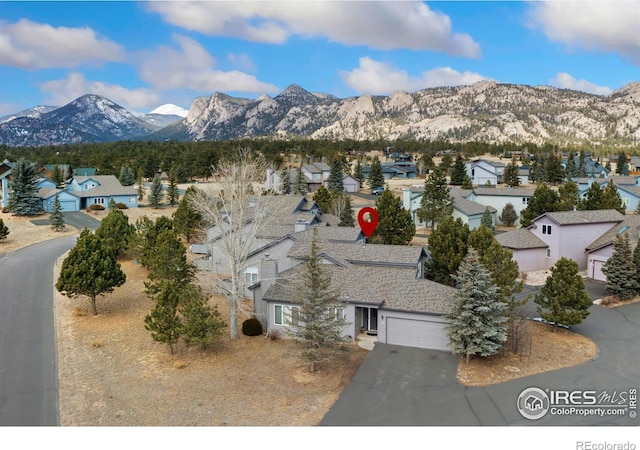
x: 170, y: 110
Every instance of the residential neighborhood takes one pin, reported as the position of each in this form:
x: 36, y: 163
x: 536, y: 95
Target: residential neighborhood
x: 383, y: 293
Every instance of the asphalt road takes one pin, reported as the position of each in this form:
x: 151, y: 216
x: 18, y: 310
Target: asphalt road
x: 408, y: 386
x: 81, y: 220
x: 28, y: 351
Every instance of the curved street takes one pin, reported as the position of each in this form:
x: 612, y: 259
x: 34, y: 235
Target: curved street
x: 28, y: 352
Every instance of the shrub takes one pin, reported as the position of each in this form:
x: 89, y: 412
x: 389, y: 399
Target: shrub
x: 5, y: 209
x: 180, y: 364
x: 121, y: 206
x: 252, y: 327
x: 274, y: 334
x: 96, y: 207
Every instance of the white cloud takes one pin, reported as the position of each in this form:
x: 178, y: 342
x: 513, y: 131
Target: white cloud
x: 241, y: 61
x: 565, y: 81
x: 376, y: 77
x: 191, y: 67
x: 380, y: 25
x: 61, y: 92
x: 30, y: 45
x: 612, y: 26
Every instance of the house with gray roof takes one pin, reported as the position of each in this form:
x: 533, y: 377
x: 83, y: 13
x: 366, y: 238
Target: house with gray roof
x: 498, y: 198
x: 101, y: 190
x: 529, y: 251
x: 483, y: 172
x: 389, y: 302
x: 314, y: 175
x: 463, y: 207
x: 291, y: 219
x: 599, y: 251
x: 559, y: 234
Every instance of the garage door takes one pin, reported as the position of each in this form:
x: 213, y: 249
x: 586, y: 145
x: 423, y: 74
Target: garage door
x: 597, y: 270
x: 417, y: 333
x: 68, y: 206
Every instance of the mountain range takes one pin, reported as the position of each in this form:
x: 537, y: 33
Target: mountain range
x: 485, y: 111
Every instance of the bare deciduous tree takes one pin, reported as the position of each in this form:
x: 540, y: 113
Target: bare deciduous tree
x: 229, y: 204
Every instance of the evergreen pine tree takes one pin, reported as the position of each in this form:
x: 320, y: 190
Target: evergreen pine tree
x: 478, y: 319
x: 56, y: 218
x: 498, y: 261
x: 357, y: 173
x: 319, y: 314
x: 173, y: 194
x: 201, y: 323
x: 156, y: 193
x: 508, y: 216
x: 115, y: 232
x: 563, y: 298
x: 544, y: 200
x: 622, y: 165
x: 571, y: 171
x: 555, y: 173
x: 57, y: 176
x: 376, y: 179
x: 24, y: 200
x: 445, y: 164
x: 568, y: 196
x: 285, y: 181
x: 4, y: 230
x: 140, y: 182
x: 611, y: 199
x: 186, y: 220
x: 346, y: 216
x: 621, y: 276
x: 323, y: 198
x: 127, y: 177
x: 90, y: 269
x: 447, y: 249
x: 167, y: 261
x: 300, y: 186
x: 636, y: 262
x: 334, y: 183
x: 466, y: 184
x: 487, y: 219
x: 395, y: 225
x: 459, y: 171
x: 436, y: 202
x: 163, y: 321
x: 592, y: 199
x: 511, y: 172
x: 582, y: 165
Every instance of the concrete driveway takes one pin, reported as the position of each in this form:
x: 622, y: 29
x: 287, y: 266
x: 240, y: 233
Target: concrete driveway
x: 80, y: 220
x: 407, y: 386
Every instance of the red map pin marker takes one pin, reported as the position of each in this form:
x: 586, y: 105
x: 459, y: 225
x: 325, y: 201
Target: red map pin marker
x: 368, y: 227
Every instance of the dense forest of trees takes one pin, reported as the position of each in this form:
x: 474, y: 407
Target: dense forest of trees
x: 195, y: 159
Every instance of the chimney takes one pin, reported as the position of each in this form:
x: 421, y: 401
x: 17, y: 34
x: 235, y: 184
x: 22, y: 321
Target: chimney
x: 268, y: 275
x: 300, y: 225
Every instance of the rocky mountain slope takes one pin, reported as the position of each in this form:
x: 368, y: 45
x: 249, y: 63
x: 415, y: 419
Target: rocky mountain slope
x: 485, y: 111
x: 90, y: 118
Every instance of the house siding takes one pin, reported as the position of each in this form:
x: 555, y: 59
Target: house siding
x: 499, y: 202
x: 531, y: 259
x: 570, y: 240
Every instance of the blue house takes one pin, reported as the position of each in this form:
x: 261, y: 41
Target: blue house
x: 100, y: 190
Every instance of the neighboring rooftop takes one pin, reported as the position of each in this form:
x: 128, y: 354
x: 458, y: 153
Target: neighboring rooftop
x: 590, y: 216
x: 520, y: 239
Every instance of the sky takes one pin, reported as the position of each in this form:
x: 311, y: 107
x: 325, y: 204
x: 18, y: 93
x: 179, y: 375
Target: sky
x: 145, y: 54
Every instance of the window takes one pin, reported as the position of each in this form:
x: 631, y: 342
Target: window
x: 251, y: 275
x: 546, y: 229
x: 339, y: 314
x: 525, y: 200
x: 317, y: 176
x: 286, y: 315
x: 626, y: 201
x: 98, y: 201
x: 548, y: 253
x: 132, y: 200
